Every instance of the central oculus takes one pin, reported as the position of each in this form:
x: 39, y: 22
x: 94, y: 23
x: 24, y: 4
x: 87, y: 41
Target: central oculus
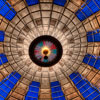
x: 45, y: 51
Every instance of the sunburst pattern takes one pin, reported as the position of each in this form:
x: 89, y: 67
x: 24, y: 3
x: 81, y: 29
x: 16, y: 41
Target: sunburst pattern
x: 45, y: 46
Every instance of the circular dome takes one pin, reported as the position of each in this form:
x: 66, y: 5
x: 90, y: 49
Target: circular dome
x: 58, y: 22
x: 45, y: 51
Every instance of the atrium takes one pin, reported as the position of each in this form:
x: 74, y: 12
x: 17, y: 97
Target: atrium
x: 49, y: 50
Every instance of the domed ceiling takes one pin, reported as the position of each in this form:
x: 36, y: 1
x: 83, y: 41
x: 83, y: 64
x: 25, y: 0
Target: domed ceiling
x: 46, y: 18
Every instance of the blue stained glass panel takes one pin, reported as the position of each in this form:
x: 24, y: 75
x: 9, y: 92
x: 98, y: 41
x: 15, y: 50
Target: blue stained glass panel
x: 83, y: 88
x: 33, y: 91
x: 56, y: 91
x: 3, y: 59
x: 57, y: 94
x: 7, y: 84
x: 1, y: 3
x: 60, y: 2
x: 77, y: 79
x: 6, y: 10
x: 10, y: 15
x: 32, y: 94
x: 88, y: 91
x: 80, y: 15
x: 1, y: 98
x: 56, y: 83
x: 97, y: 37
x: 97, y: 98
x: 97, y: 64
x: 94, y: 37
x: 2, y: 34
x: 59, y: 98
x: 92, y: 5
x: 30, y: 98
x: 87, y: 9
x: 17, y: 75
x: 86, y: 59
x: 97, y: 2
x: 92, y: 60
x: 32, y: 2
x: 37, y: 84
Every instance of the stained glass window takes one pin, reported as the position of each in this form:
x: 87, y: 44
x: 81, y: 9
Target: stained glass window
x: 87, y: 9
x: 57, y: 93
x: 3, y: 59
x: 88, y: 91
x: 32, y: 2
x: 93, y: 36
x: 7, y: 84
x: 6, y: 10
x: 33, y: 91
x: 2, y: 34
x: 60, y: 2
x: 92, y: 60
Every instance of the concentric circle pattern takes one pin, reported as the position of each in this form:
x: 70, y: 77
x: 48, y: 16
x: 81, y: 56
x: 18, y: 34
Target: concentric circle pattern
x: 54, y: 57
x: 45, y: 51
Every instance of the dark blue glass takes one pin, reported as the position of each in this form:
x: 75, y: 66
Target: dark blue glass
x: 16, y: 74
x: 32, y: 94
x: 35, y: 89
x: 93, y: 95
x: 7, y: 85
x: 84, y: 88
x: 90, y: 38
x: 94, y: 37
x: 6, y: 10
x: 56, y: 83
x: 32, y: 2
x: 97, y: 64
x: 87, y: 9
x: 37, y: 84
x: 80, y: 15
x: 80, y: 84
x: 6, y: 88
x: 2, y: 34
x: 59, y: 98
x: 3, y: 59
x: 57, y: 94
x: 55, y: 89
x: 92, y: 61
x: 30, y: 98
x: 97, y: 2
x: 92, y: 5
x: 10, y: 15
x: 77, y: 79
x: 1, y: 98
x: 73, y: 75
x: 97, y: 37
x: 97, y: 98
x: 2, y: 93
x: 86, y: 59
x: 13, y: 79
x: 88, y: 91
x: 60, y: 2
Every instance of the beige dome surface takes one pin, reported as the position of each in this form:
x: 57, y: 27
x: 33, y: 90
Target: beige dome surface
x: 60, y: 22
